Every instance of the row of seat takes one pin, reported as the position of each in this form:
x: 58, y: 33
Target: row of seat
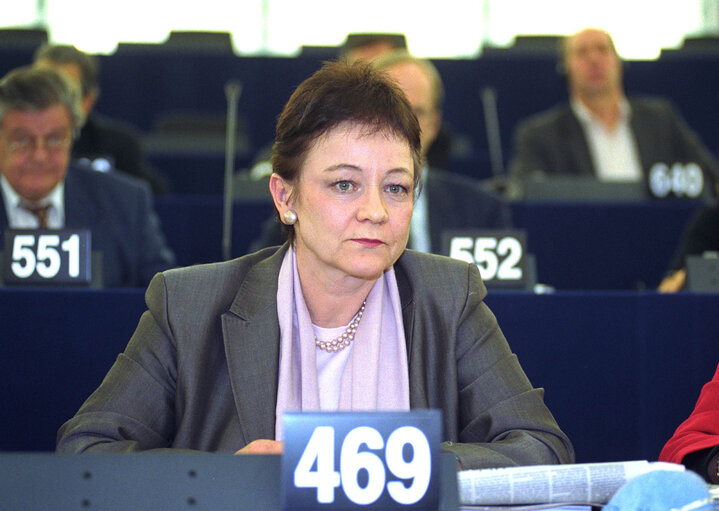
x: 620, y: 370
x: 597, y: 246
x: 149, y: 88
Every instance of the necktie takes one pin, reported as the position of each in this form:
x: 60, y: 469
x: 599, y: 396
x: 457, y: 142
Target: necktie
x: 40, y: 212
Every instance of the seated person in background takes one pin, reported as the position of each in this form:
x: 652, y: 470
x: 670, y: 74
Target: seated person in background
x: 225, y: 349
x: 105, y: 144
x: 695, y: 443
x: 39, y: 113
x: 600, y: 132
x: 369, y: 46
x: 372, y: 46
x: 447, y: 200
x: 701, y: 235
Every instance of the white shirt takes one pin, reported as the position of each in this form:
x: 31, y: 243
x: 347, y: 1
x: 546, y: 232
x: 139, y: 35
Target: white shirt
x: 330, y: 367
x: 419, y: 238
x: 20, y: 218
x: 613, y: 151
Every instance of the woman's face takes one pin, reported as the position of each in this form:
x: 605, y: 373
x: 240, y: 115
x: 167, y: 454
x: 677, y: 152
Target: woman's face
x: 353, y: 199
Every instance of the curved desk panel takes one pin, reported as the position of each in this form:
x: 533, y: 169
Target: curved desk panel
x: 620, y: 369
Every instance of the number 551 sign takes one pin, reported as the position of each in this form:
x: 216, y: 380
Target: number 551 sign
x: 350, y: 461
x: 43, y: 256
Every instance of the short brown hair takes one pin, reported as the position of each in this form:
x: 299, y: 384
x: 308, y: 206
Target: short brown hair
x: 31, y: 89
x: 339, y: 93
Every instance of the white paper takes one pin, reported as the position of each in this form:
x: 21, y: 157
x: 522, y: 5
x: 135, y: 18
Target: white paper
x: 587, y: 483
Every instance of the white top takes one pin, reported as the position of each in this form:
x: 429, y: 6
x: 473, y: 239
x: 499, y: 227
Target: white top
x: 20, y: 218
x: 330, y: 367
x: 614, y: 151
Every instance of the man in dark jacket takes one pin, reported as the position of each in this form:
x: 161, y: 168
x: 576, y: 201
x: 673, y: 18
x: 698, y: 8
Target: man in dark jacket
x: 103, y: 144
x: 602, y: 133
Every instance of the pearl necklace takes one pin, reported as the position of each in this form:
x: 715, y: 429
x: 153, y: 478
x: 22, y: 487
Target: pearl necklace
x: 346, y: 338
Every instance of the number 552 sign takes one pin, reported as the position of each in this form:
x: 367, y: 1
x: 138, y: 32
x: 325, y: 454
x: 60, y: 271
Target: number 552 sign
x: 500, y: 255
x: 42, y: 256
x: 350, y: 461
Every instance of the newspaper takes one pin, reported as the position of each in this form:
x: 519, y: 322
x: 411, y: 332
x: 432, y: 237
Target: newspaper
x: 533, y: 507
x: 587, y: 483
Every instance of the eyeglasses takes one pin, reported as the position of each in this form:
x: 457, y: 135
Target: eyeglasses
x: 25, y: 144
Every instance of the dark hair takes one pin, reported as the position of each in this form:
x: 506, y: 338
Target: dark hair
x: 67, y: 54
x: 33, y: 89
x: 338, y: 93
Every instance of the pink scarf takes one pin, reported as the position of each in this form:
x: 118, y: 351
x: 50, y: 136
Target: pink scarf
x: 376, y: 376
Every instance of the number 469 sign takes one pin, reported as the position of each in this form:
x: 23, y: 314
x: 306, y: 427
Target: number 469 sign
x: 348, y: 461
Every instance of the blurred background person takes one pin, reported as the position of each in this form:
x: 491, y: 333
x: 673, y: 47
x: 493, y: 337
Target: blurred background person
x: 447, y: 200
x: 370, y: 45
x: 39, y: 115
x: 341, y: 317
x: 103, y: 143
x: 600, y: 132
x: 701, y: 235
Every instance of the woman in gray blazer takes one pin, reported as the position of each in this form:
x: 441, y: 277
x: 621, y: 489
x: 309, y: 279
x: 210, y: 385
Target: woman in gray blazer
x: 341, y: 317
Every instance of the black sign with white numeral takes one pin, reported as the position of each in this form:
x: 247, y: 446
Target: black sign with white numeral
x: 500, y: 254
x: 47, y: 256
x: 680, y: 180
x: 367, y: 460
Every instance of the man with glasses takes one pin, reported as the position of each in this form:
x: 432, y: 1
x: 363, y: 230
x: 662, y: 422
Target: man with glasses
x: 39, y: 116
x: 102, y: 143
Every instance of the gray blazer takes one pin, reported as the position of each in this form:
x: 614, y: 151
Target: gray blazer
x: 200, y: 371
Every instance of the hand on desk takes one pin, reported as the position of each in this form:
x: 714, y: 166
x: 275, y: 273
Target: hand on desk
x: 673, y: 282
x: 262, y: 446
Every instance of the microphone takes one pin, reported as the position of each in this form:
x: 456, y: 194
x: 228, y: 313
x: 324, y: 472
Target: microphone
x: 662, y: 490
x: 233, y: 89
x: 491, y: 122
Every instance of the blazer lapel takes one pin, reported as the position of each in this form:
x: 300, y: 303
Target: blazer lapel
x: 251, y: 336
x: 645, y: 137
x: 417, y: 381
x: 81, y: 209
x: 579, y: 146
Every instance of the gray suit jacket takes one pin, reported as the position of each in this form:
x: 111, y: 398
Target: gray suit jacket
x: 200, y: 371
x: 553, y: 142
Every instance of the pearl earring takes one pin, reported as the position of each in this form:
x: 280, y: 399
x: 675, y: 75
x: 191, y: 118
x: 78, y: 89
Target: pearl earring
x: 289, y: 216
